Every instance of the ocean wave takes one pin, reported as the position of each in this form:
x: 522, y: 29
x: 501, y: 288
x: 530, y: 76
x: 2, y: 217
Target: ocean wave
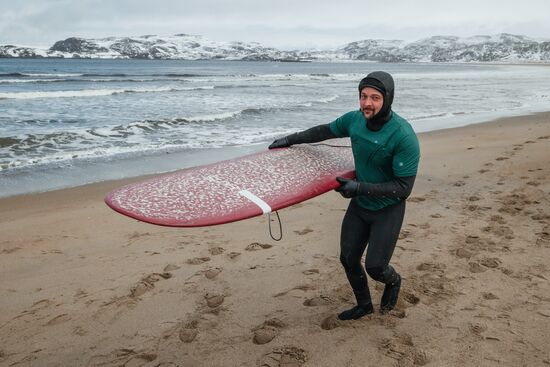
x: 157, y: 128
x: 84, y: 80
x: 38, y: 75
x: 61, y: 148
x: 8, y: 81
x: 442, y: 115
x: 94, y: 92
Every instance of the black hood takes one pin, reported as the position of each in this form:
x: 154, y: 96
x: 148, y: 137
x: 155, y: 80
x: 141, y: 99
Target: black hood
x: 383, y: 82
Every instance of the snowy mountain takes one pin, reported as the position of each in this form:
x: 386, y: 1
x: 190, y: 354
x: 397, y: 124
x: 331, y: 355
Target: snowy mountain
x: 180, y: 46
x: 496, y: 48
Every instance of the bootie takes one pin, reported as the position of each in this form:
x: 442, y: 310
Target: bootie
x: 356, y: 312
x: 389, y: 297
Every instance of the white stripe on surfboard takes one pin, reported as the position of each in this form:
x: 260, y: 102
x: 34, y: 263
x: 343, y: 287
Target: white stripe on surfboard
x: 256, y: 200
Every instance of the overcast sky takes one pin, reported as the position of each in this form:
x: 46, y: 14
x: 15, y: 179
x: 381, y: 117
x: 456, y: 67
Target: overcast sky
x: 285, y: 24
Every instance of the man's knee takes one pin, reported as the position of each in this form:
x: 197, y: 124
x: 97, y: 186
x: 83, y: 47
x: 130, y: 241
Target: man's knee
x: 351, y: 264
x: 384, y: 274
x: 376, y: 273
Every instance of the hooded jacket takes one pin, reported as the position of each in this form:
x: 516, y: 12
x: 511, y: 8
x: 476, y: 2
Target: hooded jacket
x: 382, y: 82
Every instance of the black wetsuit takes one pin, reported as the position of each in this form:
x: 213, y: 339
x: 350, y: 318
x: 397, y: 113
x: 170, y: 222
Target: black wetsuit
x: 376, y: 230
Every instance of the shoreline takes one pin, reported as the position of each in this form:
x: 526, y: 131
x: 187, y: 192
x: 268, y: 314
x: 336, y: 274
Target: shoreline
x: 129, y: 170
x: 83, y: 285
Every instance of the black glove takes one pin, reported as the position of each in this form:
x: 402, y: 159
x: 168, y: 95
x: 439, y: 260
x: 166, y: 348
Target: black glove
x: 349, y: 188
x: 280, y: 143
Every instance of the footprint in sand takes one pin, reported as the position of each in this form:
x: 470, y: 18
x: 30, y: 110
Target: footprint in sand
x: 198, y: 260
x: 189, y: 331
x: 476, y: 267
x: 304, y: 231
x: 147, y: 283
x: 212, y: 273
x: 58, y: 319
x: 255, y: 246
x: 10, y: 250
x: 428, y: 266
x: 214, y: 300
x: 287, y: 356
x: 123, y: 357
x: 490, y: 262
x: 216, y: 251
x: 543, y: 239
x: 473, y: 240
x: 266, y: 332
x: 43, y: 303
x: 498, y: 219
x: 404, y: 234
x: 80, y: 331
x: 541, y: 217
x: 310, y: 271
x: 410, y: 298
x: 477, y: 329
x: 321, y: 300
x: 171, y: 267
x: 462, y: 253
x: 416, y: 199
x: 489, y: 296
x: 233, y: 255
x: 501, y: 231
x: 402, y: 349
x: 331, y: 322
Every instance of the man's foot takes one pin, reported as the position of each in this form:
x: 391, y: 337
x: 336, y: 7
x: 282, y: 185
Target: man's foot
x: 389, y: 297
x: 356, y: 312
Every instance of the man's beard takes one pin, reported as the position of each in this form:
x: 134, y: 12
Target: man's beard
x: 370, y: 112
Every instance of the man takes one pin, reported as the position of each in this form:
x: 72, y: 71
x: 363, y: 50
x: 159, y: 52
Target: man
x: 386, y: 155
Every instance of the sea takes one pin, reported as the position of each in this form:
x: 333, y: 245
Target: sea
x: 68, y: 122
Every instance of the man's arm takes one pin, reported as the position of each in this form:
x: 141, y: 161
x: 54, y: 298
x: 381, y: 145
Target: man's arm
x: 312, y: 135
x: 400, y: 187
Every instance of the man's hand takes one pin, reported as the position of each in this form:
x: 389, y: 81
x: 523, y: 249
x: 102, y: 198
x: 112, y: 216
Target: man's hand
x: 349, y: 188
x: 280, y: 143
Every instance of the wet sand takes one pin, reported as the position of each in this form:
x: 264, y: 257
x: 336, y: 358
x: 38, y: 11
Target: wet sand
x: 81, y: 285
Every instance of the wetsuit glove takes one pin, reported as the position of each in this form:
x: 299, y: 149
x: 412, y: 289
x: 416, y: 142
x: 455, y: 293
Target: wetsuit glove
x: 312, y: 135
x: 280, y: 143
x: 349, y: 188
x: 399, y: 187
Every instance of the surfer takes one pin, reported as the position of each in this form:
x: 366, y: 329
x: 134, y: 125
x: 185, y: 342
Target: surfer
x: 386, y: 155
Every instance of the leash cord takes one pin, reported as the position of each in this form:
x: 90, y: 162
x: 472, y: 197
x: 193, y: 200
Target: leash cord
x: 280, y: 227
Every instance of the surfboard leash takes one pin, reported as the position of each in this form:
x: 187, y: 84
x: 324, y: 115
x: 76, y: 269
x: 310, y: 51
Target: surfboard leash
x: 280, y: 226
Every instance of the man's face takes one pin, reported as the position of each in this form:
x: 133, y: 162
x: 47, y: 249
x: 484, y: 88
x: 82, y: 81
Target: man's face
x: 370, y: 102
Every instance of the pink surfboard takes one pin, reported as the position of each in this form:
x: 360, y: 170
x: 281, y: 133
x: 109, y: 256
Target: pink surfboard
x: 238, y: 188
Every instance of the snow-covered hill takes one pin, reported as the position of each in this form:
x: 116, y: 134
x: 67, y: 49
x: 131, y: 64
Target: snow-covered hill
x: 495, y: 48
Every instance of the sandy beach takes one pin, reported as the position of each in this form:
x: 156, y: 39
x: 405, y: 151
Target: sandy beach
x: 81, y: 285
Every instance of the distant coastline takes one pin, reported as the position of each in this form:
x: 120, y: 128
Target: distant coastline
x: 499, y: 48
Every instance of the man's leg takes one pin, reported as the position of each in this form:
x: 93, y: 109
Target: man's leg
x: 353, y: 241
x: 383, y: 238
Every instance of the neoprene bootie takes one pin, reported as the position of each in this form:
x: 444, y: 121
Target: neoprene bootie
x: 390, y: 295
x: 356, y: 312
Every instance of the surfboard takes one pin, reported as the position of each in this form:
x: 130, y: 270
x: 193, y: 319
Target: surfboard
x: 238, y: 188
